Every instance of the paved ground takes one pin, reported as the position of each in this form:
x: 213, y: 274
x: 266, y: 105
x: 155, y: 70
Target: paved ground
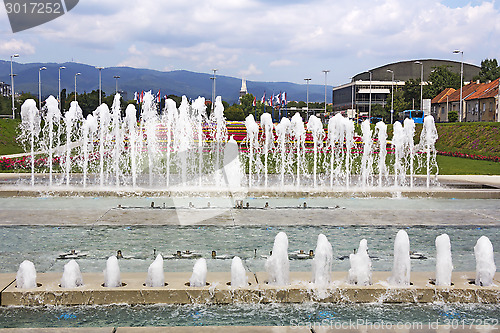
x: 256, y: 329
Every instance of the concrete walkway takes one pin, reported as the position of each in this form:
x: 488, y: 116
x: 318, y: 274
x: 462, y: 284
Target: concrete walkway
x: 256, y: 329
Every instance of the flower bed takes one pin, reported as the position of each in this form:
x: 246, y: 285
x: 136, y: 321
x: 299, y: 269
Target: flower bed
x: 471, y: 156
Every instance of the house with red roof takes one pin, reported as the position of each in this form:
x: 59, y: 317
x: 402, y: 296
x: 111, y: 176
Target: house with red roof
x: 482, y: 105
x: 480, y: 102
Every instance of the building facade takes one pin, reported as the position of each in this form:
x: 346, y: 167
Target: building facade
x: 354, y: 98
x: 480, y: 102
x: 4, y: 89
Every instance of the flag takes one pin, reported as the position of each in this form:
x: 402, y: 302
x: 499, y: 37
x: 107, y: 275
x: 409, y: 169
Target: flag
x: 158, y: 96
x: 263, y: 99
x: 283, y: 97
x: 254, y: 103
x: 135, y: 96
x: 141, y: 98
x: 271, y: 101
x: 278, y: 99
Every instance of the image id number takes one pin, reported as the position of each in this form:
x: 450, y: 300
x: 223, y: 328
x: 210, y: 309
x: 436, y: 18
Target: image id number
x: 33, y: 8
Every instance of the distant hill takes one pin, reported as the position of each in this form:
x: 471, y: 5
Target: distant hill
x: 179, y: 82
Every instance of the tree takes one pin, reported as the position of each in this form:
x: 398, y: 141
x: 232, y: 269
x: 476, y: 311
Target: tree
x: 489, y: 70
x: 452, y: 116
x: 234, y: 112
x: 411, y: 92
x: 441, y: 78
x: 247, y: 104
x: 379, y: 111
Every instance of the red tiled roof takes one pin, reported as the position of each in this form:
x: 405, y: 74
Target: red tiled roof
x: 486, y: 90
x: 467, y: 90
x: 441, y: 97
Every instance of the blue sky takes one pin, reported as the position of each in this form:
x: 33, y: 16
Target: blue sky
x: 261, y: 40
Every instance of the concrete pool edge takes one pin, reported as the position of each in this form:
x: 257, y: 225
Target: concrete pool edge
x: 219, y: 292
x: 450, y: 186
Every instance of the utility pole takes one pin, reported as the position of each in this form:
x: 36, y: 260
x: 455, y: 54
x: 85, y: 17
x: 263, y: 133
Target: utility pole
x: 12, y: 85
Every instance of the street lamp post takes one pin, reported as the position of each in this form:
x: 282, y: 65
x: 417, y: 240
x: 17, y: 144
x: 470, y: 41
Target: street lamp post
x: 326, y: 71
x: 75, y: 83
x: 392, y: 94
x: 370, y: 102
x: 421, y: 82
x: 59, y: 86
x: 307, y: 99
x: 213, y: 87
x: 461, y: 82
x: 40, y: 87
x: 353, y: 83
x: 116, y: 77
x: 12, y: 85
x: 100, y: 86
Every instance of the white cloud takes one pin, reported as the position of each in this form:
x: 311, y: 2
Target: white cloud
x: 133, y: 50
x: 282, y: 63
x: 12, y: 46
x: 251, y: 70
x: 135, y: 62
x: 229, y: 34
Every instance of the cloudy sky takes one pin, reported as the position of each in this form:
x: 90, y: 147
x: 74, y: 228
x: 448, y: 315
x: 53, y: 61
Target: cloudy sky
x: 274, y: 40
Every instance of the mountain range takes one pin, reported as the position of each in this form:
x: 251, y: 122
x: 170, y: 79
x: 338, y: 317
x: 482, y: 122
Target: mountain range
x: 178, y: 82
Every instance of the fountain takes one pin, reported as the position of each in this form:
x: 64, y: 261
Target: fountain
x: 30, y: 128
x: 266, y: 122
x: 336, y: 139
x: 315, y: 126
x: 26, y: 275
x: 52, y: 117
x: 183, y: 147
x: 89, y: 128
x: 199, y: 109
x: 277, y: 265
x: 184, y: 136
x: 283, y: 132
x: 367, y: 159
x: 218, y: 132
x: 428, y: 138
x: 149, y: 124
x: 444, y: 265
x: 112, y: 273
x: 155, y: 148
x: 232, y: 165
x: 398, y: 143
x: 117, y: 134
x: 72, y: 277
x: 156, y: 277
x: 199, y: 276
x: 71, y: 121
x: 360, y: 272
x: 322, y: 262
x: 381, y: 131
x: 239, y: 277
x: 299, y: 134
x: 134, y: 140
x: 409, y: 131
x: 402, y: 266
x: 253, y: 141
x: 102, y: 113
x: 485, y: 262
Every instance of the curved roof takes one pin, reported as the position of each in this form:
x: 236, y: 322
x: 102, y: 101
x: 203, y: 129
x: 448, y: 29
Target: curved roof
x: 405, y: 70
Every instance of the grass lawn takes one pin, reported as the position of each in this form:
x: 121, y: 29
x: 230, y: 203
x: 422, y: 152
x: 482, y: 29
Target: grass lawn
x: 463, y: 166
x: 8, y: 132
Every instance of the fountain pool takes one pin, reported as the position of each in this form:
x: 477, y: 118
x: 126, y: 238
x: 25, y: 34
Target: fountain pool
x: 187, y: 189
x: 40, y: 229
